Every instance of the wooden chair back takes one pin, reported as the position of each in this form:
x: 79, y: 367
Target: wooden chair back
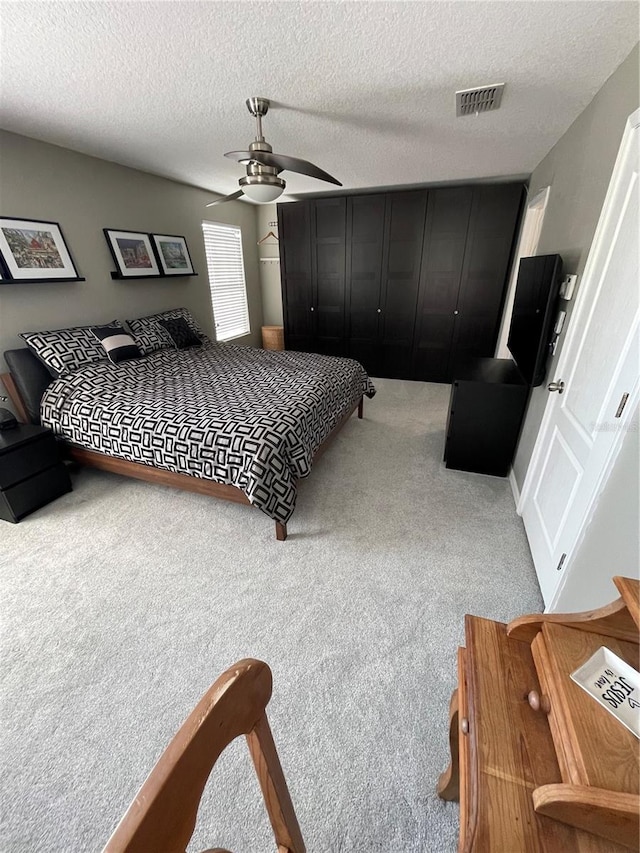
x: 162, y: 816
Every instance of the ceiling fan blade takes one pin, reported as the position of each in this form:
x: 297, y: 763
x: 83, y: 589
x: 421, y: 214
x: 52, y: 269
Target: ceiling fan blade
x: 240, y: 156
x: 291, y: 164
x: 226, y: 198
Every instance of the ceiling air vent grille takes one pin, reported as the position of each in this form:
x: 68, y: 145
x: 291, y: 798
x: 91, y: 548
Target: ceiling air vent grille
x: 481, y: 100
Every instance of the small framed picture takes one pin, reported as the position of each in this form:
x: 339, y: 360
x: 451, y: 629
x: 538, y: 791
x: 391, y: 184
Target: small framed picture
x: 173, y: 254
x: 34, y: 249
x: 132, y: 253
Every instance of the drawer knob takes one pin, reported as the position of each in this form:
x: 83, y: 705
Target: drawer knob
x: 538, y: 702
x: 464, y: 726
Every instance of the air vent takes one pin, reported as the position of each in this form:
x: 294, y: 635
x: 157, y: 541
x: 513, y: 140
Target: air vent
x: 474, y: 101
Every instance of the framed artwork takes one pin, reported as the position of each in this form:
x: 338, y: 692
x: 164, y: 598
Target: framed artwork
x: 33, y: 249
x: 132, y: 253
x: 173, y: 254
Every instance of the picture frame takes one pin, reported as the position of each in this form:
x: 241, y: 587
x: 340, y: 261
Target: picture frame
x: 132, y: 253
x: 34, y: 250
x: 173, y: 255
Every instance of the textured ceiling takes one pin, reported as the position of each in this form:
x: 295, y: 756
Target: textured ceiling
x: 363, y: 89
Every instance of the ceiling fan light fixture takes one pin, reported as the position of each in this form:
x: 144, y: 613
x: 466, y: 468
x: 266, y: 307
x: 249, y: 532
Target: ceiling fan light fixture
x: 261, y: 183
x: 263, y: 193
x: 262, y: 188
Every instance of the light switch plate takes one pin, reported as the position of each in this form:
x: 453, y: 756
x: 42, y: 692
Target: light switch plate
x: 568, y: 286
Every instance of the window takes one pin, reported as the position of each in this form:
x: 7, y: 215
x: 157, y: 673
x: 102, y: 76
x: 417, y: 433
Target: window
x: 225, y: 265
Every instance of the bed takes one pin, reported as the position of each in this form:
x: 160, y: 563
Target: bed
x: 233, y: 422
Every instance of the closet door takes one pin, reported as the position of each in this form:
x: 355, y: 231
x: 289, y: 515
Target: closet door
x: 448, y: 213
x: 328, y: 251
x: 295, y: 275
x: 492, y: 229
x: 365, y: 234
x: 402, y: 252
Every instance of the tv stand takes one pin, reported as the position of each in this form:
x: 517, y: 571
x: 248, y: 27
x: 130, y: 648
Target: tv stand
x: 486, y: 410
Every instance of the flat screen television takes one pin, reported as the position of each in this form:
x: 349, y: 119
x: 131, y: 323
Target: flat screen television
x: 534, y: 311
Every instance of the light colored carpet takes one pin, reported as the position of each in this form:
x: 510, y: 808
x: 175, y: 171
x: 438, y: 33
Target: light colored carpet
x: 122, y: 602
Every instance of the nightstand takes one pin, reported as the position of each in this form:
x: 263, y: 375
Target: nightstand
x: 32, y: 472
x: 537, y: 764
x: 487, y: 406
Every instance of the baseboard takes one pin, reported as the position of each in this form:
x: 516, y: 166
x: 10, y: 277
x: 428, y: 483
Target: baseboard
x: 514, y: 488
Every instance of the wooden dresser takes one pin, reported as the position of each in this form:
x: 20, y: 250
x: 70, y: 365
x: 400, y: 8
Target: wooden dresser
x: 537, y: 764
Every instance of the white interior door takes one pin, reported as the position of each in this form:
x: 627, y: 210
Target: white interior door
x: 582, y: 426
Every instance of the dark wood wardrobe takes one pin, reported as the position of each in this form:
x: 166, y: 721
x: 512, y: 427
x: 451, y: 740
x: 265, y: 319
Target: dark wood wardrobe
x: 409, y: 283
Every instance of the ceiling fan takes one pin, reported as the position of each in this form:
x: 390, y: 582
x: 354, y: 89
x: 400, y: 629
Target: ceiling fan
x: 261, y: 183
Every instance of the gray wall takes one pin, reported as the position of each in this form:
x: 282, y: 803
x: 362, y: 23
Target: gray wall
x: 269, y: 271
x: 85, y: 195
x: 578, y: 169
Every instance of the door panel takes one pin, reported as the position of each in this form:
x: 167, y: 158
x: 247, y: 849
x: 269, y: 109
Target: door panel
x: 295, y: 274
x: 395, y: 361
x: 328, y: 272
x: 432, y: 349
x: 448, y: 213
x: 402, y: 253
x: 599, y: 363
x: 561, y: 475
x: 368, y: 354
x: 293, y: 228
x: 588, y: 381
x: 365, y: 234
x: 492, y: 226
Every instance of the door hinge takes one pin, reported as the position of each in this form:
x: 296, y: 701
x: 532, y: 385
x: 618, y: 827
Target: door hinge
x: 561, y: 563
x: 622, y: 404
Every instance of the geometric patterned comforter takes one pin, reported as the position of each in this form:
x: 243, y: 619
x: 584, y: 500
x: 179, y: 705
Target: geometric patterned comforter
x: 238, y: 415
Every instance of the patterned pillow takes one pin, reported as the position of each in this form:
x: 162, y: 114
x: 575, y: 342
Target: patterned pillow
x: 150, y: 336
x: 65, y: 350
x: 181, y: 333
x: 118, y: 345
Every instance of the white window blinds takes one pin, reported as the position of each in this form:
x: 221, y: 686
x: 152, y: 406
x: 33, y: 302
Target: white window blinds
x: 225, y: 265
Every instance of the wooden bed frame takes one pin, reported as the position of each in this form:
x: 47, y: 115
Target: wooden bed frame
x: 186, y: 482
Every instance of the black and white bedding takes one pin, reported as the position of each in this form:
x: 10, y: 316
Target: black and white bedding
x: 237, y: 415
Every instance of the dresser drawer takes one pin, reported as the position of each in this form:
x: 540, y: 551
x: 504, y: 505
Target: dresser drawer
x: 29, y: 495
x: 25, y: 460
x: 510, y: 749
x: 593, y: 748
x: 509, y: 753
x: 534, y: 751
x: 467, y: 791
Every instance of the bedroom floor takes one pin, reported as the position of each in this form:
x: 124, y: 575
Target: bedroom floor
x: 123, y: 601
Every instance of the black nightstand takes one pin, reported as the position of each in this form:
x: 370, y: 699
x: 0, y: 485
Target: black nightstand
x: 486, y: 410
x: 32, y: 472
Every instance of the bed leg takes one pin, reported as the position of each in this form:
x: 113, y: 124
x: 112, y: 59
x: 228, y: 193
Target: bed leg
x: 361, y: 407
x: 281, y: 531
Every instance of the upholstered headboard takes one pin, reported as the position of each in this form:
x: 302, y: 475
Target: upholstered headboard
x: 30, y: 378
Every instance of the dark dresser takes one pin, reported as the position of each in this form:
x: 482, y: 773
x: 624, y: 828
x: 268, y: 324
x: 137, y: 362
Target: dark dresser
x: 32, y: 472
x: 487, y: 406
